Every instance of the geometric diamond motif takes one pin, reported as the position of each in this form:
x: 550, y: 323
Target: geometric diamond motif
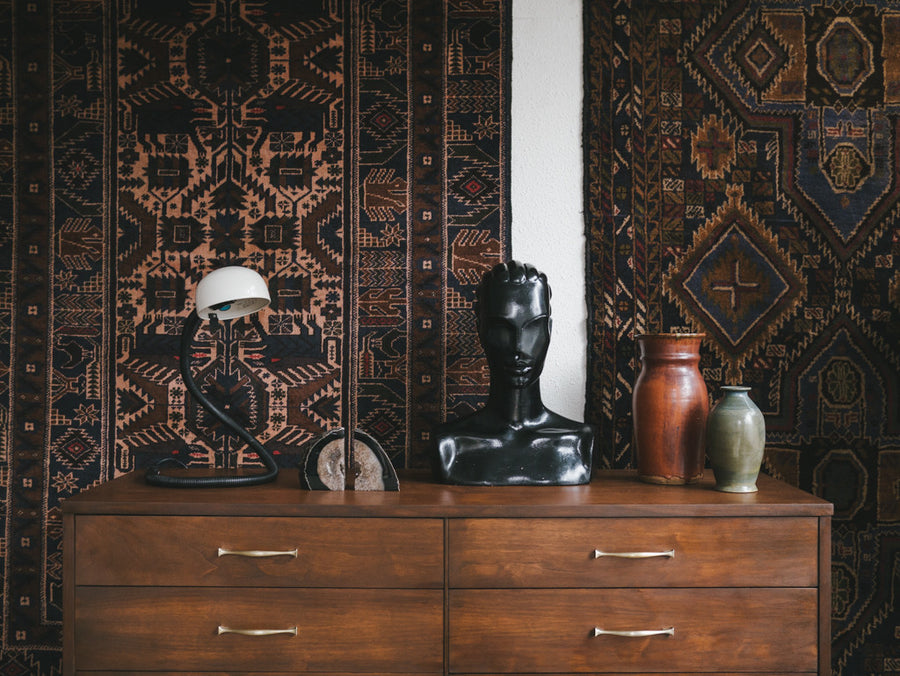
x: 712, y: 148
x: 383, y: 119
x: 76, y: 450
x: 735, y: 284
x: 472, y: 185
x: 735, y: 281
x: 761, y: 57
x: 228, y: 59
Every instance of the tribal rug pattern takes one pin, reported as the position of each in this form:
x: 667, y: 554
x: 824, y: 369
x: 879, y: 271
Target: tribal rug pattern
x: 354, y: 152
x: 742, y: 177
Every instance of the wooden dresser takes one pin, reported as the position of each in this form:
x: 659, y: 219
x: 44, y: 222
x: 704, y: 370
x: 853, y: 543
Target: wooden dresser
x: 616, y: 576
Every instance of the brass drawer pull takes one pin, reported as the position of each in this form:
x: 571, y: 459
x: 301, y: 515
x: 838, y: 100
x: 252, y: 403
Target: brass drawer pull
x: 257, y: 553
x: 256, y: 632
x: 669, y: 553
x: 635, y: 634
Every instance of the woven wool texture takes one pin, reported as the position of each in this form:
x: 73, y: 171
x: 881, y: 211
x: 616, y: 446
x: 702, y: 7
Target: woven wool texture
x: 355, y: 153
x: 742, y: 179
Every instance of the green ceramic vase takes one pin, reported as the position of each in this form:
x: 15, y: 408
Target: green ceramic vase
x: 735, y: 440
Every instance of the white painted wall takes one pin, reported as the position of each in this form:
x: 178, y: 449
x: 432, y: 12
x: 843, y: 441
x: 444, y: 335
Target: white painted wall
x: 547, y: 203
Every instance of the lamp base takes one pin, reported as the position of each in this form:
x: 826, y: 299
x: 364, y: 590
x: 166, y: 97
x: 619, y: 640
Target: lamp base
x: 181, y: 476
x: 154, y: 474
x: 324, y: 464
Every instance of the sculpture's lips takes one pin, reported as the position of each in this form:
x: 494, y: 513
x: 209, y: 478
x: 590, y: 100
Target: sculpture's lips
x: 518, y: 369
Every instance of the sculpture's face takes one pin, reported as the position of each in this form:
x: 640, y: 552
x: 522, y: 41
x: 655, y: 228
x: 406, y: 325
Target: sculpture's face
x: 514, y: 326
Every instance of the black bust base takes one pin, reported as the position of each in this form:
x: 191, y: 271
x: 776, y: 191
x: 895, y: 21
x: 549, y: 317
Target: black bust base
x: 557, y: 453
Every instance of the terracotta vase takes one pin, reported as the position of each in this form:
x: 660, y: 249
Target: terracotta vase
x: 735, y: 440
x: 670, y: 405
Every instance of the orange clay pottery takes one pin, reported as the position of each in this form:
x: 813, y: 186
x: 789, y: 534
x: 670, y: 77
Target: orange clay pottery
x: 670, y: 405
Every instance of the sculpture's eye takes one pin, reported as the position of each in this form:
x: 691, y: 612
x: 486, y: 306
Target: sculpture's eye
x: 500, y: 334
x: 534, y: 336
x: 507, y: 336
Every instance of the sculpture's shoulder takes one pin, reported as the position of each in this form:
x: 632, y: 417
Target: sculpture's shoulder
x: 557, y: 424
x: 464, y: 443
x: 474, y: 433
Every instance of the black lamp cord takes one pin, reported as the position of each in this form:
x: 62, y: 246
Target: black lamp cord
x: 154, y: 473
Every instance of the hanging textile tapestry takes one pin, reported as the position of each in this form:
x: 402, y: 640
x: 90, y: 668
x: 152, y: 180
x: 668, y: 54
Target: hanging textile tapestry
x: 353, y: 152
x: 742, y: 180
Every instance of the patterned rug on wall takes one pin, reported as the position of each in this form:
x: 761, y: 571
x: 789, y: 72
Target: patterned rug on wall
x: 354, y: 152
x: 743, y: 179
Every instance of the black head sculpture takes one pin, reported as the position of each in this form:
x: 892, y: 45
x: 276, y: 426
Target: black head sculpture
x: 514, y: 439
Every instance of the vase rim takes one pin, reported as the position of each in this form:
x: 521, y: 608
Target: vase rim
x: 736, y: 388
x: 671, y: 335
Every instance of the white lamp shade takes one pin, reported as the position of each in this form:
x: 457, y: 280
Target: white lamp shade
x: 231, y: 292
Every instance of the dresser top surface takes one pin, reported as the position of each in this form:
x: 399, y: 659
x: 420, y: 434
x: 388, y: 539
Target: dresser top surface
x: 613, y: 493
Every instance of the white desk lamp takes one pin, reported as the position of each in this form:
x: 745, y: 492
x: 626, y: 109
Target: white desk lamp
x: 225, y: 293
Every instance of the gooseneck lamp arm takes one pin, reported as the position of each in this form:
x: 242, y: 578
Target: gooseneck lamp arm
x: 208, y: 308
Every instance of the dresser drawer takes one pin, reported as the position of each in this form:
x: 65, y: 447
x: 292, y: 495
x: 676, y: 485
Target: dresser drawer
x: 681, y: 552
x: 259, y: 551
x: 172, y: 629
x: 552, y: 631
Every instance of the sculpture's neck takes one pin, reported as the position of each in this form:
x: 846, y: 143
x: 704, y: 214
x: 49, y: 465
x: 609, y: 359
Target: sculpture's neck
x: 517, y: 406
